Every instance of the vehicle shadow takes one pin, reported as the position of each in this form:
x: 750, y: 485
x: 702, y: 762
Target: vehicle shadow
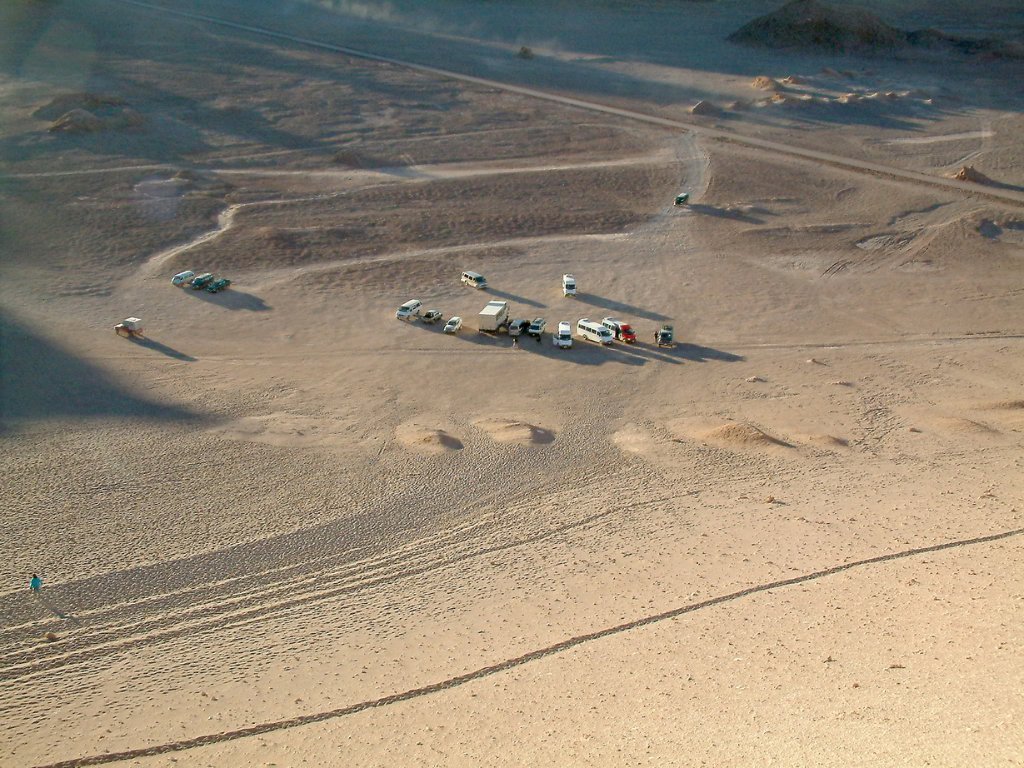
x: 163, y: 349
x: 581, y: 353
x: 647, y: 352
x: 232, y: 299
x: 517, y: 298
x: 701, y: 354
x: 618, y: 307
x: 437, y: 327
x: 39, y: 380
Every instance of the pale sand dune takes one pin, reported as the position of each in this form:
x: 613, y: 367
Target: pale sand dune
x: 965, y: 426
x: 742, y: 435
x: 512, y: 431
x: 425, y: 438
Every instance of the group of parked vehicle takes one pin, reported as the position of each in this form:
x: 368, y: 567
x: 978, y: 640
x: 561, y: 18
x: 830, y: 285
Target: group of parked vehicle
x: 495, y: 318
x: 205, y: 280
x: 413, y: 309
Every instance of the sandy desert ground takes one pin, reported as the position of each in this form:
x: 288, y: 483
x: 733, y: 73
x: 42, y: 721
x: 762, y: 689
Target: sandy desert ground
x: 286, y: 529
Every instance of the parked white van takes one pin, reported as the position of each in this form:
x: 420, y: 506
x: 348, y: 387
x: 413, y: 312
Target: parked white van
x: 568, y: 285
x: 474, y: 279
x: 563, y: 336
x: 594, y: 331
x: 409, y: 310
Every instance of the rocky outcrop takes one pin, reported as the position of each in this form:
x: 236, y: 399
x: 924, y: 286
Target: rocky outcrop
x: 809, y: 24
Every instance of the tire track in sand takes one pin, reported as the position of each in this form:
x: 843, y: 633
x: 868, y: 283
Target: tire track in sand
x: 310, y: 585
x: 511, y: 663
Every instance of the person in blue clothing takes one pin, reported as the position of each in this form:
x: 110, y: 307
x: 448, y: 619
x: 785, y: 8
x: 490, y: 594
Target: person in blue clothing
x: 35, y: 584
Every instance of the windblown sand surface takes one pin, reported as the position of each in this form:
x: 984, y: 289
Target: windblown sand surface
x: 283, y: 528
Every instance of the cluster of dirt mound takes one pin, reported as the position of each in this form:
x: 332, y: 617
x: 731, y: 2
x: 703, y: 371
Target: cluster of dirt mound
x: 796, y: 91
x: 88, y: 113
x: 810, y: 24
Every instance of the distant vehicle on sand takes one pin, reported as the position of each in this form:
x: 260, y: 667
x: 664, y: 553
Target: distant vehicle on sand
x: 409, y: 310
x: 218, y: 285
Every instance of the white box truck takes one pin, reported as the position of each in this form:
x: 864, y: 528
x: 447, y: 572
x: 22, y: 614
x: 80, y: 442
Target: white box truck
x: 493, y: 317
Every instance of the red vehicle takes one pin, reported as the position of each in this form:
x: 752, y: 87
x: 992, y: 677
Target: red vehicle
x: 621, y: 331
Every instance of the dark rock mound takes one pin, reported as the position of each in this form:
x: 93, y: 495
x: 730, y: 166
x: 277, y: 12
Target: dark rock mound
x: 704, y: 108
x: 76, y: 121
x: 90, y: 102
x: 88, y: 113
x: 810, y: 24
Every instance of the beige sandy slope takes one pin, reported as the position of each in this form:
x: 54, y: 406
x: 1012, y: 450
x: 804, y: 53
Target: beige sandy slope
x: 283, y: 503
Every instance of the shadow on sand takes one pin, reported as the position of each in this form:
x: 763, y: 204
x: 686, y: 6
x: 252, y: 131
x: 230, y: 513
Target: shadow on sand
x: 39, y: 380
x: 699, y: 354
x: 163, y: 349
x: 515, y: 297
x: 232, y: 299
x: 58, y: 612
x: 610, y: 305
x: 588, y: 353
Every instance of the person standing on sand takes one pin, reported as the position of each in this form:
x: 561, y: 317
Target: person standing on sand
x: 35, y: 583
